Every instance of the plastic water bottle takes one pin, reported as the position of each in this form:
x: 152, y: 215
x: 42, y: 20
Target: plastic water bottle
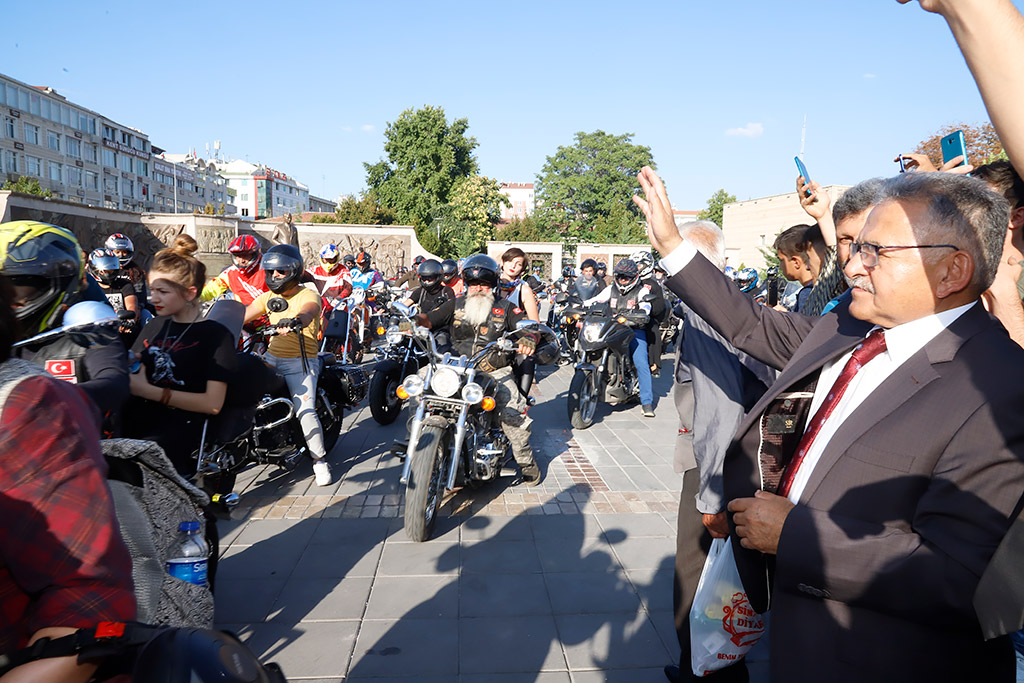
x: 189, y: 561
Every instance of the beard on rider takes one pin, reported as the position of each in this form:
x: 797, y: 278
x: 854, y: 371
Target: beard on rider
x: 478, y: 305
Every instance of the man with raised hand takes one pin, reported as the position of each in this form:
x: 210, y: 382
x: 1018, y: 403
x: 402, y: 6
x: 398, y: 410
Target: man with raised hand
x: 871, y: 484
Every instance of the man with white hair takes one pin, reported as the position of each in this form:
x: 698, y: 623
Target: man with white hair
x: 871, y: 484
x: 724, y: 384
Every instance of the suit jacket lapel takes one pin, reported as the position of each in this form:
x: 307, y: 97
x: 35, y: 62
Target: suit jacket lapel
x: 913, y: 375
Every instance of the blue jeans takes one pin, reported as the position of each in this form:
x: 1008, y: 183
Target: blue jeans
x: 638, y: 349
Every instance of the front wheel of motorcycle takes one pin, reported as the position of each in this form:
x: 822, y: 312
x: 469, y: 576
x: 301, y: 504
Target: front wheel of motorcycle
x: 583, y: 399
x: 384, y: 402
x: 425, y: 489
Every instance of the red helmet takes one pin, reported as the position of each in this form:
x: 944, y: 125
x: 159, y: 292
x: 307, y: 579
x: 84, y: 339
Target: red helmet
x: 363, y: 261
x: 246, y: 247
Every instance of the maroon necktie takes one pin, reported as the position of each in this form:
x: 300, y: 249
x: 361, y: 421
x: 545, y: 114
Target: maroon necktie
x: 865, y: 351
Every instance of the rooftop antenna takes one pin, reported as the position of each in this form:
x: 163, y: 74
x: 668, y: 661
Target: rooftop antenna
x: 803, y: 138
x: 216, y: 150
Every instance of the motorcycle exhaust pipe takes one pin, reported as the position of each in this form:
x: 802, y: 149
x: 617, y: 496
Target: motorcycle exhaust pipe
x: 276, y: 423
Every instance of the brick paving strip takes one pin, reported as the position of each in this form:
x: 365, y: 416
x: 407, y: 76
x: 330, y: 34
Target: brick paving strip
x: 587, y: 494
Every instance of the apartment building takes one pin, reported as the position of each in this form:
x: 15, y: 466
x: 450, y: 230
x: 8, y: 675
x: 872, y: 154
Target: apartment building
x: 78, y: 154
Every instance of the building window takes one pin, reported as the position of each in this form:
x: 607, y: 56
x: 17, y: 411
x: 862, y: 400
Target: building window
x: 74, y: 176
x: 142, y: 168
x: 245, y: 182
x: 245, y: 212
x: 245, y: 197
x: 92, y: 181
x: 90, y: 153
x: 34, y: 166
x: 11, y: 162
x: 55, y: 171
x: 74, y: 148
x: 127, y: 187
x: 126, y: 138
x: 53, y: 140
x: 31, y: 133
x: 110, y: 184
x: 126, y: 163
x: 109, y: 158
x: 108, y: 133
x: 9, y: 127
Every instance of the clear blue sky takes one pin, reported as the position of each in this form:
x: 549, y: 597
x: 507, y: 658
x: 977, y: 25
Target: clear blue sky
x: 308, y: 88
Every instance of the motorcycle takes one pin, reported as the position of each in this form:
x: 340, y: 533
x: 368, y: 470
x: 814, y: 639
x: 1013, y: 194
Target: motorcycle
x: 455, y: 437
x: 565, y: 317
x: 606, y: 365
x: 397, y: 358
x: 258, y: 423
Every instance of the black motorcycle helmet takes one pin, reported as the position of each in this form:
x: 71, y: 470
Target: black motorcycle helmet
x: 481, y: 268
x: 430, y: 273
x: 567, y: 272
x: 286, y: 259
x: 626, y: 274
x: 349, y: 261
x: 418, y: 260
x: 449, y: 271
x: 588, y: 263
x: 363, y: 261
x: 601, y: 269
x: 192, y: 655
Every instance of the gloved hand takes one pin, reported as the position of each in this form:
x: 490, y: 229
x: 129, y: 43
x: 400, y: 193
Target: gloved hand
x: 291, y: 323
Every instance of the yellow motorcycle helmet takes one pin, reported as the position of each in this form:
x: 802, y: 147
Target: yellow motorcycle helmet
x: 46, y: 265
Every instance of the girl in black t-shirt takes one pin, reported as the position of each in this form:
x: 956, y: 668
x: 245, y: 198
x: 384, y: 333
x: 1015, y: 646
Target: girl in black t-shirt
x: 187, y: 361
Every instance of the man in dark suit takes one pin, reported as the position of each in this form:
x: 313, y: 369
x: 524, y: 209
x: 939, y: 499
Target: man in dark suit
x: 871, y: 484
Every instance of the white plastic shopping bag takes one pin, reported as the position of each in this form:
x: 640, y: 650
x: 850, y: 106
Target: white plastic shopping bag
x: 723, y: 627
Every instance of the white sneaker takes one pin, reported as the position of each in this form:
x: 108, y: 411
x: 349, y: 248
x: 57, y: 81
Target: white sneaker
x: 322, y: 471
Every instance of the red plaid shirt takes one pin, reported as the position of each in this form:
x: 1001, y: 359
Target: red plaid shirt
x: 62, y: 559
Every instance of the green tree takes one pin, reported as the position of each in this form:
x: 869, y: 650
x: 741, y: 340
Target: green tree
x: 525, y: 230
x: 587, y: 180
x: 426, y: 155
x: 715, y: 207
x: 619, y: 227
x: 477, y: 200
x: 26, y: 185
x: 365, y: 210
x: 428, y: 240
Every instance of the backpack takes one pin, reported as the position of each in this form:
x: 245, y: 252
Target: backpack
x: 151, y: 499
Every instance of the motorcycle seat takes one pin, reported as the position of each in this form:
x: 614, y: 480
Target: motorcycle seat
x: 326, y: 358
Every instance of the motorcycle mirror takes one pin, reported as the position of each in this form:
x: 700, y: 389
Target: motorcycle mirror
x: 527, y: 326
x: 277, y: 305
x: 402, y: 309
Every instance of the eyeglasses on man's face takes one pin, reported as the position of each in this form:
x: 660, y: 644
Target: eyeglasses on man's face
x: 869, y: 252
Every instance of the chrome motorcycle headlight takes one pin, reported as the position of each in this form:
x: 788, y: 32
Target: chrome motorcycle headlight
x: 592, y: 332
x: 413, y: 385
x: 472, y: 393
x: 393, y: 336
x: 445, y: 382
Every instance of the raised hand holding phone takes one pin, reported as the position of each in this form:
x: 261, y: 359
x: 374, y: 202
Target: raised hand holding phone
x: 803, y: 173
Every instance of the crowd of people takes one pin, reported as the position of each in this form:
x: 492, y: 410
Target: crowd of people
x: 860, y: 446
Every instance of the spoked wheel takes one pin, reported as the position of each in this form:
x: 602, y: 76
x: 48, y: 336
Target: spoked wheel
x: 425, y: 489
x: 329, y: 413
x: 583, y: 399
x: 384, y: 402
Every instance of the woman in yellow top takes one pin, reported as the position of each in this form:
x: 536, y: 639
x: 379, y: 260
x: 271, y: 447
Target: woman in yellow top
x: 284, y: 268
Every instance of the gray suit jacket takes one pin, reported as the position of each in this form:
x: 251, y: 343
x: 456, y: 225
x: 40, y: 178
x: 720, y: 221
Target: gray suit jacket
x: 878, y: 563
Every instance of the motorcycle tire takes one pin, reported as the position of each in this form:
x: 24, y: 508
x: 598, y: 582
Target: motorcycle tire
x: 425, y: 490
x: 384, y: 402
x: 330, y: 429
x: 583, y: 400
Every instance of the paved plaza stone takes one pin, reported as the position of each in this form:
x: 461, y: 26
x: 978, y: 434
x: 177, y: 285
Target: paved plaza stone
x: 570, y: 580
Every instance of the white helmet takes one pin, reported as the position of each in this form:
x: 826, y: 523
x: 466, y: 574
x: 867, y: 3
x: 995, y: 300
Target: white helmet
x: 644, y: 262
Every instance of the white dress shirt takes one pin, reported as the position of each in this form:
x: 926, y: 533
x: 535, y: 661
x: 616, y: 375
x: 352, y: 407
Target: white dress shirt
x: 901, y: 342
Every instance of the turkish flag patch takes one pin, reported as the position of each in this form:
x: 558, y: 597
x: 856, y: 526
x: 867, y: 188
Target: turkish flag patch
x: 497, y: 311
x: 517, y: 310
x: 61, y: 369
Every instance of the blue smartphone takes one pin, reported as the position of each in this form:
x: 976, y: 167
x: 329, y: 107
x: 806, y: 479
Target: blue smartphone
x: 803, y: 172
x: 953, y: 146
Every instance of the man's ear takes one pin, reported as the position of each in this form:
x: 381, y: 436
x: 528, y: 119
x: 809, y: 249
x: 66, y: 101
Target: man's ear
x: 1017, y: 218
x: 958, y: 270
